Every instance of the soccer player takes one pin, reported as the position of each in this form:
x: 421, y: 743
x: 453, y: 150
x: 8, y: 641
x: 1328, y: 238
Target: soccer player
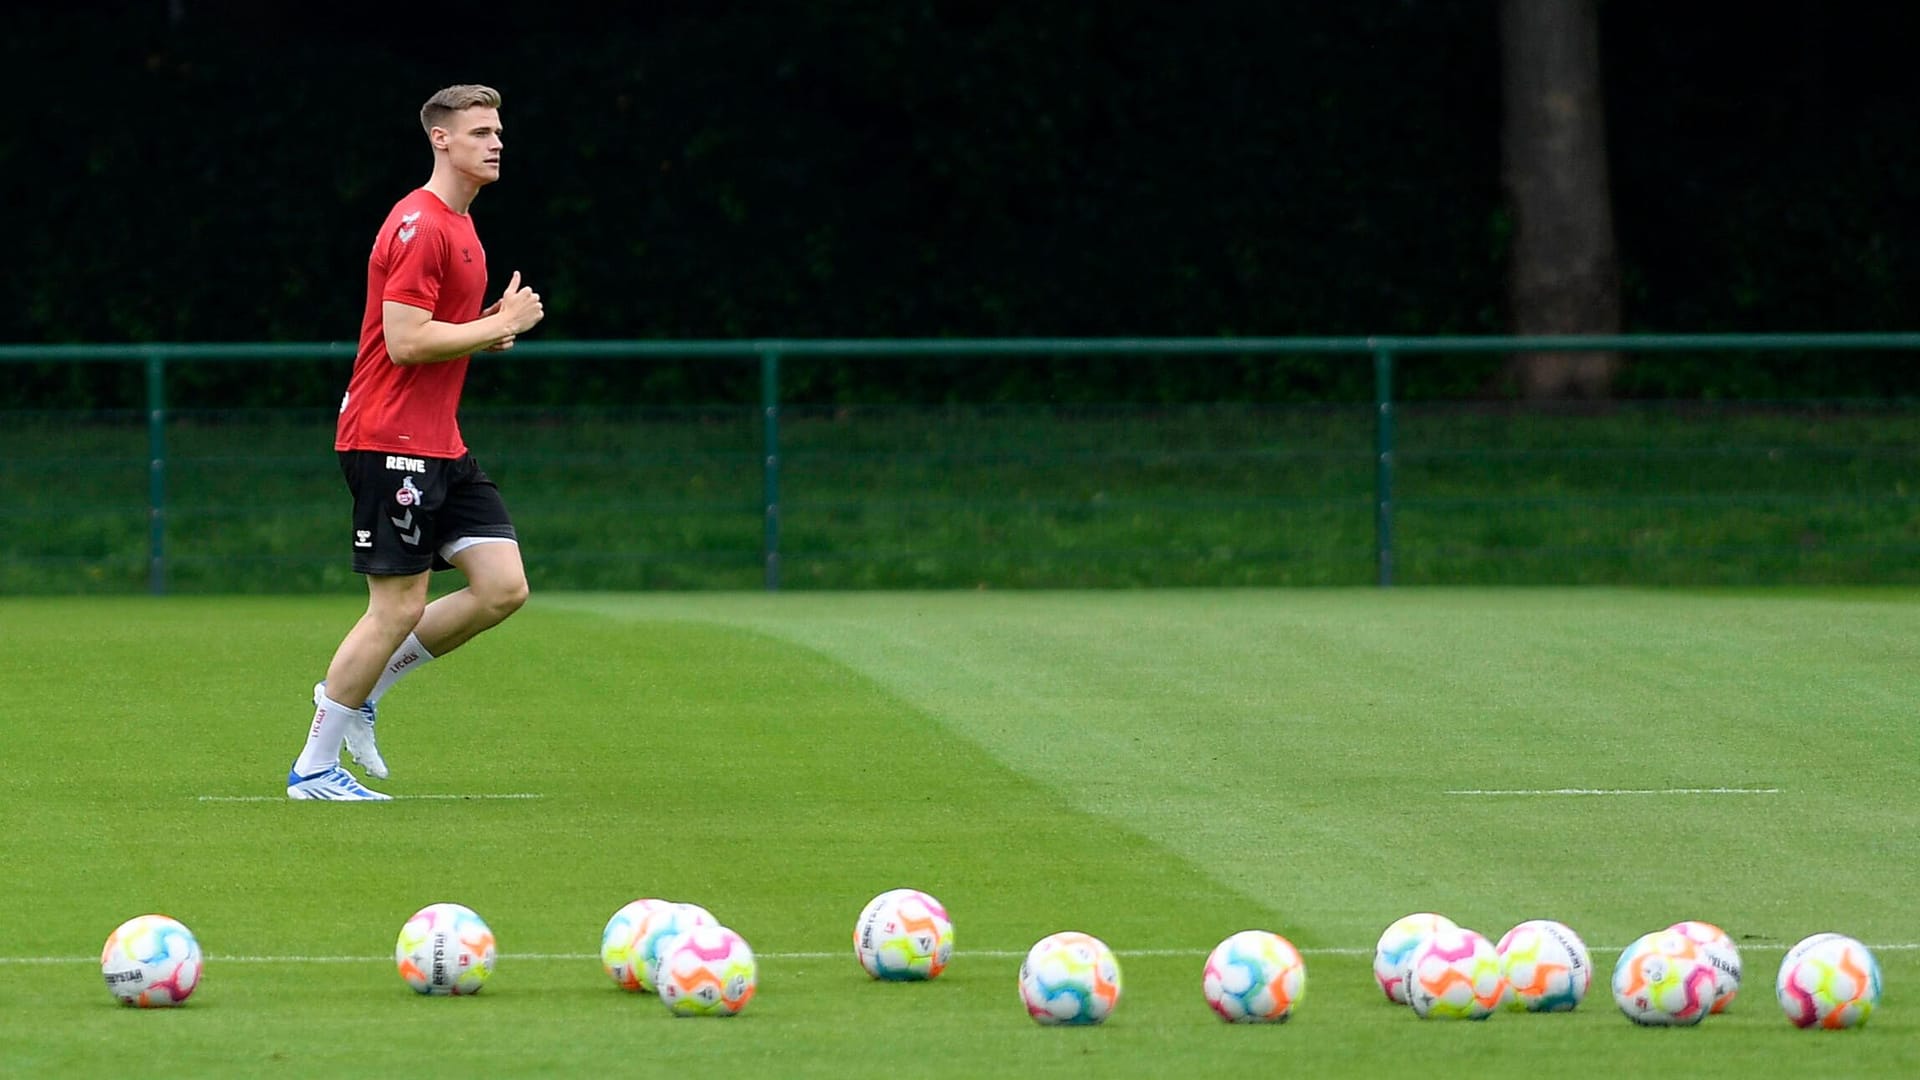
x: 420, y: 502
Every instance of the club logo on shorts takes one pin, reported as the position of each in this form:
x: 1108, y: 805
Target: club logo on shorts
x: 408, y: 494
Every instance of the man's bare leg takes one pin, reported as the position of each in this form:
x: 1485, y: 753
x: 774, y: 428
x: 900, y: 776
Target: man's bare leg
x: 394, y: 605
x: 496, y: 587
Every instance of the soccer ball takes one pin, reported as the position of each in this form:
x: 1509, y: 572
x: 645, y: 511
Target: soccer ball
x: 445, y: 949
x: 707, y: 971
x: 1396, y: 947
x: 1829, y: 981
x: 616, y: 943
x: 1547, y: 967
x: 1455, y: 974
x: 1070, y: 978
x: 903, y: 935
x: 1719, y: 951
x: 656, y: 928
x: 1663, y: 980
x: 151, y: 961
x: 1254, y: 977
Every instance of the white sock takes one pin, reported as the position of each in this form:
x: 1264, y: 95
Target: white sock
x: 322, y: 752
x: 410, y: 656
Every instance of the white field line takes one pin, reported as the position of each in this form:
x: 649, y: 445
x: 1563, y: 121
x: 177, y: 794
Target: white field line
x: 283, y: 798
x: 1619, y: 791
x: 1905, y: 946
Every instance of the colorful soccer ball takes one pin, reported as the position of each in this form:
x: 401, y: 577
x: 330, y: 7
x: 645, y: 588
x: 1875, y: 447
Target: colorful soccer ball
x: 1547, y: 967
x: 1718, y: 949
x: 617, y: 958
x: 1456, y: 975
x: 1663, y: 980
x: 1254, y: 977
x: 1070, y: 978
x: 656, y: 928
x: 1396, y: 947
x: 445, y: 949
x: 1829, y: 981
x: 903, y: 935
x: 151, y: 961
x: 707, y: 971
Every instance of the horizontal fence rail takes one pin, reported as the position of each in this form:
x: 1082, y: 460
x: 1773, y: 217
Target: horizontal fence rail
x: 1383, y: 352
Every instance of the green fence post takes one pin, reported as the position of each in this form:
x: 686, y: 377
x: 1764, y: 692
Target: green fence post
x: 156, y: 473
x: 770, y: 465
x: 1383, y: 463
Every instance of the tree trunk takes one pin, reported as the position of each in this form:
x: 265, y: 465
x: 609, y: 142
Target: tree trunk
x: 1565, y: 275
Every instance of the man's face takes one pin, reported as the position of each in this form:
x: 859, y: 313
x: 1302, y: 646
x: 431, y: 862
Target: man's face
x: 473, y: 143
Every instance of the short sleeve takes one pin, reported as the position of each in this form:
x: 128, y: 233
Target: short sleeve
x: 416, y: 252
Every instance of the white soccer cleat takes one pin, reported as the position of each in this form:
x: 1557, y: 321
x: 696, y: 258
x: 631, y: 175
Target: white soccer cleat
x: 335, y: 784
x: 360, y: 738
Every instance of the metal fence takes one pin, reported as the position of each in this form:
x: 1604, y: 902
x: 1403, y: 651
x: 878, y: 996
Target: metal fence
x: 1595, y: 488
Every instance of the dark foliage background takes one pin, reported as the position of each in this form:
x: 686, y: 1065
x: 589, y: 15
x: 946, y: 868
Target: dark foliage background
x: 213, y: 172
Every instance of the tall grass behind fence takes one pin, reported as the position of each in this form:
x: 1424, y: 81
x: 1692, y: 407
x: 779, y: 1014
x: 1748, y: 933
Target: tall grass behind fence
x: 968, y: 496
x: 1662, y: 493
x: 1014, y: 496
x: 894, y: 496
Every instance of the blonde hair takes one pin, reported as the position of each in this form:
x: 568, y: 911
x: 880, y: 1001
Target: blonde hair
x: 454, y: 99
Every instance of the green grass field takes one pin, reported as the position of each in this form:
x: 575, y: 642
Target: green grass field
x: 1157, y: 768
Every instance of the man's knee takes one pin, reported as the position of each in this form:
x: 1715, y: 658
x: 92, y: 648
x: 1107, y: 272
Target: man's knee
x: 496, y: 579
x: 397, y: 604
x: 503, y: 594
x: 512, y: 596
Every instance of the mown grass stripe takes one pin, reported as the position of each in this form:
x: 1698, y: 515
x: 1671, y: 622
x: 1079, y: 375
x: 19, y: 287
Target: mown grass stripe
x: 1617, y: 791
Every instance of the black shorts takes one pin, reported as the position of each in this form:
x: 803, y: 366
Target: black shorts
x: 407, y: 510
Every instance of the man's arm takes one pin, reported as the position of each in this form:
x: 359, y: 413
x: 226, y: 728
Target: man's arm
x: 414, y: 336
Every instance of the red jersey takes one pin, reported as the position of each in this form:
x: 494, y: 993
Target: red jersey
x: 426, y: 256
